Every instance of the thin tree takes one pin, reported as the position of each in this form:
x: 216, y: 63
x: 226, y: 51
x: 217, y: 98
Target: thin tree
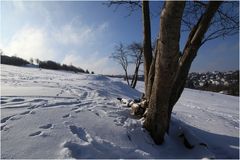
x: 31, y: 60
x: 120, y: 55
x: 37, y: 61
x: 86, y: 71
x: 136, y: 55
x: 147, y: 48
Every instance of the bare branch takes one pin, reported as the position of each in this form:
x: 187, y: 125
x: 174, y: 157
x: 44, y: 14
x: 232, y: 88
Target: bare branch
x: 120, y: 56
x: 132, y: 6
x: 136, y: 52
x: 225, y: 22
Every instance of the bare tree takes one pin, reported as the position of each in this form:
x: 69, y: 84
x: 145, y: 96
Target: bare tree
x: 166, y: 73
x: 130, y: 5
x: 31, y: 60
x: 136, y: 55
x: 171, y: 68
x: 132, y: 54
x: 120, y: 55
x: 224, y: 23
x: 37, y: 60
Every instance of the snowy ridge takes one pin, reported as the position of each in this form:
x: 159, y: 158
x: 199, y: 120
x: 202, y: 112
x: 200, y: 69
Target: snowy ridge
x: 54, y: 114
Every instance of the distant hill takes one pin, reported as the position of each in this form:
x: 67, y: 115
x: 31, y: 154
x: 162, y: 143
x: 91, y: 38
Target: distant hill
x: 222, y: 82
x: 56, y: 66
x: 17, y: 61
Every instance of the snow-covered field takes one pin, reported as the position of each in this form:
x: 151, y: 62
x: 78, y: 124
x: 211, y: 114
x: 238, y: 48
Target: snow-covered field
x: 55, y: 114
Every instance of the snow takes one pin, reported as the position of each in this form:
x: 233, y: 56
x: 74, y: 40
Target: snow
x: 55, y: 114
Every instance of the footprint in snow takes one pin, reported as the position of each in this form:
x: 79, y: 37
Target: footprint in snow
x: 2, y: 98
x: 66, y: 116
x: 32, y: 112
x: 97, y: 148
x: 37, y: 100
x: 84, y: 95
x: 40, y: 133
x: 15, y: 118
x: 75, y: 108
x: 3, y: 102
x: 35, y: 133
x: 80, y: 132
x: 4, y: 127
x: 5, y: 119
x: 47, y: 126
x: 23, y: 113
x: 17, y: 100
x: 97, y: 114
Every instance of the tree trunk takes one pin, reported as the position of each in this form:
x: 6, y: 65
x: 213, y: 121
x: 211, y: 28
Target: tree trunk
x: 194, y: 42
x: 171, y: 70
x: 134, y: 82
x: 135, y: 75
x: 126, y: 76
x: 133, y: 79
x: 151, y: 75
x: 147, y: 44
x: 167, y: 56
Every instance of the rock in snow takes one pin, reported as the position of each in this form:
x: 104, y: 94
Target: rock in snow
x: 54, y: 114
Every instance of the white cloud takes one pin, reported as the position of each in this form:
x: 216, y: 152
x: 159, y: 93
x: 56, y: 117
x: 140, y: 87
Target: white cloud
x: 36, y: 42
x: 30, y: 42
x: 49, y: 41
x: 75, y: 33
x: 68, y: 34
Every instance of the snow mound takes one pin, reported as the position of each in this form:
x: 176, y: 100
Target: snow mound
x: 97, y: 78
x: 53, y: 114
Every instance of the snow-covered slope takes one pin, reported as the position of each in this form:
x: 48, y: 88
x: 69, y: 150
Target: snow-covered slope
x: 212, y: 117
x: 56, y: 114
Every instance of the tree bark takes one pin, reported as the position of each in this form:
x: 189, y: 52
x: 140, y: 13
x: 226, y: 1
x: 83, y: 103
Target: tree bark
x: 147, y: 44
x: 151, y: 75
x: 126, y: 76
x: 167, y: 56
x: 171, y: 69
x: 135, y: 77
x: 194, y: 42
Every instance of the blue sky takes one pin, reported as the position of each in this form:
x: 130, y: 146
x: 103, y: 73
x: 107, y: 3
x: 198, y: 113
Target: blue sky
x: 85, y: 33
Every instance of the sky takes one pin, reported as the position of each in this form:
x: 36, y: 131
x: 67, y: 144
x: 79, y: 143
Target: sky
x: 84, y: 33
